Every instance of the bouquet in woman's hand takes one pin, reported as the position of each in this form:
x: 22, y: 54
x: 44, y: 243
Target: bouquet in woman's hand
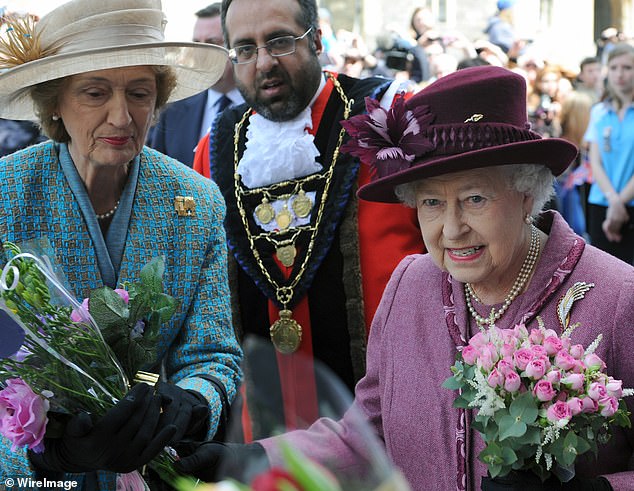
x: 288, y: 464
x: 541, y: 400
x: 60, y: 358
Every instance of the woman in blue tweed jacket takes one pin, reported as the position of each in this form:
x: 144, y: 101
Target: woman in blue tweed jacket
x: 107, y: 205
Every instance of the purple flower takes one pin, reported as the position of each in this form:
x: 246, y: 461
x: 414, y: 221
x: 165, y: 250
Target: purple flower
x: 389, y: 140
x: 23, y: 416
x: 137, y: 330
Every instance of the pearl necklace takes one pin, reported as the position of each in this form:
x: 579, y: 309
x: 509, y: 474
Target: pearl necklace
x: 109, y: 213
x: 525, y: 272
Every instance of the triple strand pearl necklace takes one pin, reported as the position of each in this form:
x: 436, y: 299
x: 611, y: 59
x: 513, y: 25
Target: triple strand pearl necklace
x: 525, y: 272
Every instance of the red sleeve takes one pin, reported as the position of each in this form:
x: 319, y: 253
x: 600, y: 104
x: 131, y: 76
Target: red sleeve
x: 201, y: 157
x: 387, y: 233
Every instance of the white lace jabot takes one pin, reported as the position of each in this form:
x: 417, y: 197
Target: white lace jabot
x: 278, y: 151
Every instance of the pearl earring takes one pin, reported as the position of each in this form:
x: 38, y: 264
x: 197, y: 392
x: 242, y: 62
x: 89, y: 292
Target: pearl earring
x: 528, y: 219
x: 55, y: 117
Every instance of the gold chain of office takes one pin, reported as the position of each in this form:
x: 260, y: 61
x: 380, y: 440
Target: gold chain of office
x: 286, y: 333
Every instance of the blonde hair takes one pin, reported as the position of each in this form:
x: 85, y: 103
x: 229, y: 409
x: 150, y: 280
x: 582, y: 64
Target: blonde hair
x: 574, y: 116
x: 618, y: 50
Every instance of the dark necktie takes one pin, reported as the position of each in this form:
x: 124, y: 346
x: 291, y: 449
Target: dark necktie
x: 222, y: 102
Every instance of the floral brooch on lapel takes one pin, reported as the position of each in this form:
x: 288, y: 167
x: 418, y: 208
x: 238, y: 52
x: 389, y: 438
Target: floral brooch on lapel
x: 389, y: 140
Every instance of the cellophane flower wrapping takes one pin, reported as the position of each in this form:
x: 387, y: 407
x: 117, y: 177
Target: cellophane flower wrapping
x: 298, y: 469
x: 540, y: 400
x: 62, y: 356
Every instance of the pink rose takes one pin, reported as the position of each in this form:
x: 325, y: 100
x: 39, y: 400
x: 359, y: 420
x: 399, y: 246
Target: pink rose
x: 576, y: 405
x: 123, y: 294
x: 577, y: 351
x: 552, y: 345
x: 536, y: 368
x: 536, y: 336
x: 80, y: 315
x: 614, y: 387
x: 559, y: 413
x: 132, y: 481
x: 565, y: 344
x: 495, y: 378
x: 479, y: 339
x: 597, y: 391
x: 574, y: 381
x: 469, y: 355
x: 564, y: 360
x: 539, y: 351
x: 589, y: 405
x: 509, y: 338
x: 23, y: 416
x: 593, y: 362
x: 488, y: 356
x: 505, y: 366
x: 522, y: 357
x: 608, y: 406
x: 507, y: 350
x: 579, y: 367
x: 512, y: 382
x: 520, y: 331
x: 544, y: 391
x: 553, y: 376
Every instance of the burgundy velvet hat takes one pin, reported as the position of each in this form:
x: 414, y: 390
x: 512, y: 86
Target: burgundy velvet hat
x: 475, y: 117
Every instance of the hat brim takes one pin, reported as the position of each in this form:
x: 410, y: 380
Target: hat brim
x: 555, y: 153
x: 197, y: 66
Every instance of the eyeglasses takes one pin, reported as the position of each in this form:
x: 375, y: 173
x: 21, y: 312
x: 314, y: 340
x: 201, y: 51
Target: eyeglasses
x: 282, y: 46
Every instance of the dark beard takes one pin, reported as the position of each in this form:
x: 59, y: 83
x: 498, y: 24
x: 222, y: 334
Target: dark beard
x: 301, y: 93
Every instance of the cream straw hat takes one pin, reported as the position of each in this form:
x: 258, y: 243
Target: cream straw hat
x: 86, y: 35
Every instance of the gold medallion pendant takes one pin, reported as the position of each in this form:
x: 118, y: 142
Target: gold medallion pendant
x: 264, y: 211
x: 286, y: 333
x: 284, y: 218
x: 302, y: 204
x: 286, y: 254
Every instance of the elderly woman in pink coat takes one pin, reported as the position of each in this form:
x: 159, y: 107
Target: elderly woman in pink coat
x: 467, y: 160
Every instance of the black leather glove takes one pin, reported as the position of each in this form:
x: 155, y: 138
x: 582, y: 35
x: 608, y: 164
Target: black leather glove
x: 186, y: 409
x: 211, y: 461
x: 528, y: 481
x: 124, y: 439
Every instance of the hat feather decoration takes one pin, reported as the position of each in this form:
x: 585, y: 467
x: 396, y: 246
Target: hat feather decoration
x: 389, y: 140
x: 20, y: 43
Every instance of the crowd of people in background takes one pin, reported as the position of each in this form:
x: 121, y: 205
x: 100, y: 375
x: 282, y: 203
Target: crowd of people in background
x: 559, y: 97
x: 558, y: 103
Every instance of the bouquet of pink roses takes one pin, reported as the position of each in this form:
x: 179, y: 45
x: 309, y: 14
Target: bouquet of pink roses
x: 59, y: 357
x: 541, y: 400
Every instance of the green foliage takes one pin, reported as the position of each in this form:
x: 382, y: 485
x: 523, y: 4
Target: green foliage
x: 309, y: 475
x: 131, y: 329
x: 515, y: 434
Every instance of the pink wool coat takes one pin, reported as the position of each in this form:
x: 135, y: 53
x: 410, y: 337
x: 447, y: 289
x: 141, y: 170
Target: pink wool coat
x: 410, y: 352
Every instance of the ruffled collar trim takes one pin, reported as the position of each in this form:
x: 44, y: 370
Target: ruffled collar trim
x: 293, y: 155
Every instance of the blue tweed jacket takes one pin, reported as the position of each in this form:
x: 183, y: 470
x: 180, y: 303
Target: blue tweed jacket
x: 37, y: 202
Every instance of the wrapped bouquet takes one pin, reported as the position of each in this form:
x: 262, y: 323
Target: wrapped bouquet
x: 60, y: 357
x: 541, y: 400
x: 369, y: 469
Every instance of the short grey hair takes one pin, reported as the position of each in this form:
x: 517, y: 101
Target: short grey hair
x: 535, y: 180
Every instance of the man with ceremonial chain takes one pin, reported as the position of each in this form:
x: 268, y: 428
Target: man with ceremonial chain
x: 312, y: 260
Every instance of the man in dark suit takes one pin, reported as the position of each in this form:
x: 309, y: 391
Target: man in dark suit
x: 183, y: 123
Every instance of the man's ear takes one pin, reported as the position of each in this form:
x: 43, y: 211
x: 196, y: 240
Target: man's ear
x: 319, y: 47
